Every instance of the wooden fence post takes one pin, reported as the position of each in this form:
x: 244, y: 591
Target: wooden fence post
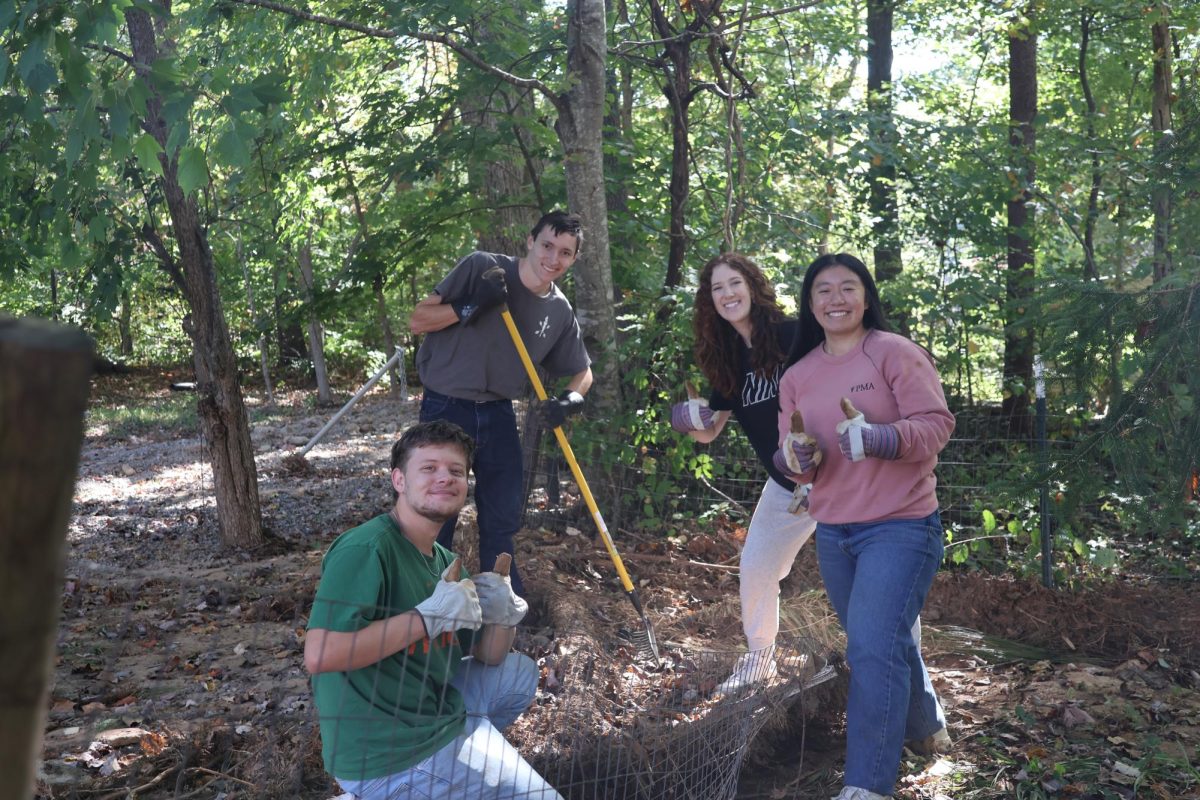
x: 44, y: 374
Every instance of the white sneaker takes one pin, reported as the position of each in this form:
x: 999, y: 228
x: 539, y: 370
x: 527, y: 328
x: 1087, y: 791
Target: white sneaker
x: 751, y: 668
x: 938, y: 742
x: 856, y: 793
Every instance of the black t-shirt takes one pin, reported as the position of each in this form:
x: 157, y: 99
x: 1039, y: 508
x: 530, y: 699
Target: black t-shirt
x: 757, y: 404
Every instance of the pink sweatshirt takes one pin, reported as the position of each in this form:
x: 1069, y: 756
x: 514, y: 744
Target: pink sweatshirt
x: 888, y: 379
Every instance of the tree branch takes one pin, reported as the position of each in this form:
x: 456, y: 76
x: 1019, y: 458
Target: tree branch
x: 165, y: 260
x: 437, y: 38
x: 688, y: 33
x: 112, y: 51
x: 321, y: 19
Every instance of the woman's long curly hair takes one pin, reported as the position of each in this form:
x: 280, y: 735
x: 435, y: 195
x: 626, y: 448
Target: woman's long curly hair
x: 716, y: 339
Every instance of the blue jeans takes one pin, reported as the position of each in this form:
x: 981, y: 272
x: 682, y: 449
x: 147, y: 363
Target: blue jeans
x: 499, y: 473
x: 479, y: 762
x: 877, y: 575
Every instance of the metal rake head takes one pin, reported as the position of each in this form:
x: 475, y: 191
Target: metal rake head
x: 646, y: 642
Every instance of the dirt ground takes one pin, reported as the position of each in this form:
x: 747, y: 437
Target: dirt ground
x: 178, y: 671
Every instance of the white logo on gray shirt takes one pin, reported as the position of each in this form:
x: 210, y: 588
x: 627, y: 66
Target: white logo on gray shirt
x: 543, y: 327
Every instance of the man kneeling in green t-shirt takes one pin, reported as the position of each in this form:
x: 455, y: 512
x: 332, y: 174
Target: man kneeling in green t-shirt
x: 403, y: 713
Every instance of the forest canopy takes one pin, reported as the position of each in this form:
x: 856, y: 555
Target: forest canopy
x: 265, y: 190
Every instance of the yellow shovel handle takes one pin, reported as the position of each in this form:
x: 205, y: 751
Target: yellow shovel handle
x: 568, y: 452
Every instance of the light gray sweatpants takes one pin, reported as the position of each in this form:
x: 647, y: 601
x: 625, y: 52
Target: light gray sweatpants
x: 772, y: 543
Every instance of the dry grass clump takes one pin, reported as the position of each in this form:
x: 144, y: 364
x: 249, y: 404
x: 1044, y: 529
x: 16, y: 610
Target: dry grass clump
x: 284, y: 763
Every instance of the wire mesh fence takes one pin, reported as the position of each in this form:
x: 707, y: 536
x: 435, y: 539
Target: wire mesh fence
x: 675, y: 734
x: 990, y: 476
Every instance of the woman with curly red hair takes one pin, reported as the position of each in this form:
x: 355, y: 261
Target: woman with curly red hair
x: 743, y: 344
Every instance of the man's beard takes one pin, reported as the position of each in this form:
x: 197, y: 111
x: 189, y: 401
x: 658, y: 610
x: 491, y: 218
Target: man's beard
x: 434, y: 514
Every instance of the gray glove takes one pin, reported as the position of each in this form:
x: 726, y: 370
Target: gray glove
x: 453, y: 605
x: 501, y: 606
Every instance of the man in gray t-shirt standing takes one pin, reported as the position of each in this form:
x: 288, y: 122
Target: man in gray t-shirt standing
x: 472, y: 372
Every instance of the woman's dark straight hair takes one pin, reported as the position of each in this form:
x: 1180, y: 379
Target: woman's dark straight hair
x: 811, y: 332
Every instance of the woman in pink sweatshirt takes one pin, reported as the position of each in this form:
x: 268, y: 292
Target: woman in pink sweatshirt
x: 875, y: 419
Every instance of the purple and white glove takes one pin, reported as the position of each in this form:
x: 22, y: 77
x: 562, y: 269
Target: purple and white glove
x: 859, y: 439
x: 691, y: 415
x: 799, y: 454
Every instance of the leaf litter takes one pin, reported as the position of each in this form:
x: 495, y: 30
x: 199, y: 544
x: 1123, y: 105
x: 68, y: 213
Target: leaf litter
x: 178, y: 669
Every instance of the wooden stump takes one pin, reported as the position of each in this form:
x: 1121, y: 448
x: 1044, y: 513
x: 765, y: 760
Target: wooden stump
x: 44, y: 375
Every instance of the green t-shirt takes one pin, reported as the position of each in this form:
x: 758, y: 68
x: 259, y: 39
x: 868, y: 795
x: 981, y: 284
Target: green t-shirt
x: 385, y: 717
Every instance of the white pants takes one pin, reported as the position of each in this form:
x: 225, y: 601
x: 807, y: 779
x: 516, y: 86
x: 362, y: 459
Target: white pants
x: 772, y: 543
x: 479, y: 764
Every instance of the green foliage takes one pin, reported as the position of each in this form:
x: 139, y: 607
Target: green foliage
x: 661, y: 479
x: 293, y: 135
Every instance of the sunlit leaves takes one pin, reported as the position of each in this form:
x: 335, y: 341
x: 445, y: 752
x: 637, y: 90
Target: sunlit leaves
x: 269, y: 89
x: 232, y: 148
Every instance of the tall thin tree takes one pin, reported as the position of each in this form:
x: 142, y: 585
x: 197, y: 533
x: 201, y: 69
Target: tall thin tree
x: 1160, y: 123
x: 1018, y: 331
x: 881, y: 175
x: 222, y: 411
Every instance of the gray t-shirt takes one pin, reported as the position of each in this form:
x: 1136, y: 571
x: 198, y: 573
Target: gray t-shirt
x: 479, y: 361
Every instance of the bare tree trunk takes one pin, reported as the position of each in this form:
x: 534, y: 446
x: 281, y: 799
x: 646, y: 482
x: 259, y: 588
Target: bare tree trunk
x: 881, y: 175
x: 580, y: 127
x: 1116, y: 345
x: 502, y: 174
x: 1018, y: 334
x: 222, y: 411
x: 618, y: 125
x: 389, y: 338
x: 289, y: 341
x: 1160, y: 122
x: 733, y: 148
x: 316, y: 335
x: 125, y: 324
x: 677, y: 68
x: 1086, y: 17
x: 44, y: 374
x: 262, y: 336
